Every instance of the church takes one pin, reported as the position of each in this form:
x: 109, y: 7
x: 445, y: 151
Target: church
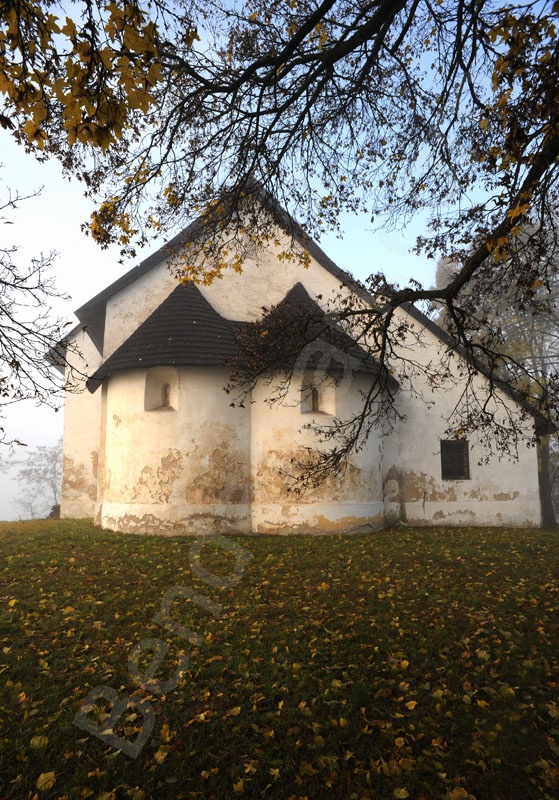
x: 154, y: 444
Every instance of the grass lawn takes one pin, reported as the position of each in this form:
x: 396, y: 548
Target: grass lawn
x: 417, y: 663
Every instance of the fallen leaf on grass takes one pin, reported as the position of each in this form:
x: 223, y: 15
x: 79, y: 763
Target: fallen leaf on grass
x: 37, y: 742
x: 160, y: 755
x: 45, y: 781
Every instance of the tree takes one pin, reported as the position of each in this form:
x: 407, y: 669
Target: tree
x: 28, y: 328
x: 171, y: 110
x: 39, y: 472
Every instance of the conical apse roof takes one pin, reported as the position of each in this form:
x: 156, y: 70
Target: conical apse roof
x: 185, y: 330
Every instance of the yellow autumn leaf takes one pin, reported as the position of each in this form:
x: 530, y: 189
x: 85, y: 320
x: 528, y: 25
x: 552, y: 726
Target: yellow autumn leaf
x: 483, y: 655
x: 38, y: 742
x: 165, y: 733
x: 458, y: 794
x: 154, y: 75
x: 239, y: 787
x: 411, y: 704
x: 45, y: 781
x: 401, y: 794
x: 96, y: 773
x: 507, y: 691
x: 160, y: 755
x: 519, y: 210
x: 134, y: 40
x: 233, y: 712
x: 191, y: 36
x: 12, y: 602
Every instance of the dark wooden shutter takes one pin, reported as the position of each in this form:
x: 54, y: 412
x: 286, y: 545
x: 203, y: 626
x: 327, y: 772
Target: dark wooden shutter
x: 455, y: 462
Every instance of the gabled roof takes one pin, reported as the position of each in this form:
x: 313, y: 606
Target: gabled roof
x: 92, y: 313
x: 185, y: 330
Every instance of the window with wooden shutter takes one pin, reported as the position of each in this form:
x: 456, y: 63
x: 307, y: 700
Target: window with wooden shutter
x: 455, y: 460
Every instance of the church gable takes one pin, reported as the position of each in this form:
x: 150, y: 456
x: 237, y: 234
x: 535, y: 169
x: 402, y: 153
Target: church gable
x: 186, y: 330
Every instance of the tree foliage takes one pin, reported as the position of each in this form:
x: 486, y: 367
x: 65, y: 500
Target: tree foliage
x: 76, y: 78
x: 168, y: 111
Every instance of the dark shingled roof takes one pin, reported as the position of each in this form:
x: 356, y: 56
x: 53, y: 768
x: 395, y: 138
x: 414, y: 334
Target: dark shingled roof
x: 298, y: 333
x: 299, y: 320
x: 185, y: 330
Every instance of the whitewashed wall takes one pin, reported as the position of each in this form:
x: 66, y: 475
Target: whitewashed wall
x: 82, y: 426
x: 183, y: 469
x: 501, y: 492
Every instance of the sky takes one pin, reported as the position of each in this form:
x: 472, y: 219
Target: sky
x: 51, y: 223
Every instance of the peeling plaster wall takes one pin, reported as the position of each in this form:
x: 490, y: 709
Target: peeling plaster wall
x: 501, y: 492
x: 82, y: 422
x: 188, y: 470
x: 350, y: 503
x: 176, y: 470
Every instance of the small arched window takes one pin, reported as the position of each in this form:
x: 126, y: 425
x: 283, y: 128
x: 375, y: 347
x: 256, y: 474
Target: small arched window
x: 315, y: 399
x: 318, y: 394
x: 161, y: 390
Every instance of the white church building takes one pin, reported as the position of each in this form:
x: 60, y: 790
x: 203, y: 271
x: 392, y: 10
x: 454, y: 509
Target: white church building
x: 153, y: 444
